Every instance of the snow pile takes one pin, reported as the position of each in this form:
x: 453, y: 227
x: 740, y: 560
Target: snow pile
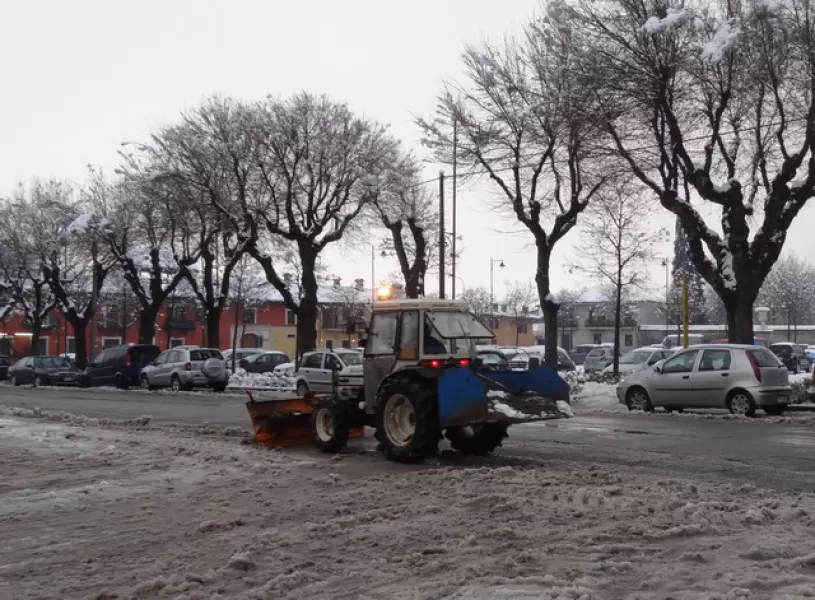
x: 724, y: 39
x: 273, y: 381
x: 674, y: 17
x: 229, y: 521
x: 506, y: 410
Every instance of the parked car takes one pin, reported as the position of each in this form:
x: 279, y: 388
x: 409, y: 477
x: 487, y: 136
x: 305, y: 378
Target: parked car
x: 639, y: 359
x: 599, y: 358
x: 794, y: 356
x: 240, y: 354
x: 564, y: 361
x: 315, y: 370
x: 811, y: 353
x: 578, y: 353
x: 740, y: 378
x: 264, y: 362
x: 43, y: 370
x: 185, y: 368
x: 286, y: 369
x: 119, y: 366
x: 4, y: 365
x: 675, y: 340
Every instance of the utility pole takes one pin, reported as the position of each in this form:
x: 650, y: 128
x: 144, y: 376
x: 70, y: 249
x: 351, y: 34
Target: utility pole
x: 685, y: 311
x: 455, y: 185
x: 441, y: 235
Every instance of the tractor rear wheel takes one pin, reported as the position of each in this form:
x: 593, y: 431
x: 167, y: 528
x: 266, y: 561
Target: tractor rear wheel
x: 331, y: 425
x: 477, y: 439
x: 407, y: 420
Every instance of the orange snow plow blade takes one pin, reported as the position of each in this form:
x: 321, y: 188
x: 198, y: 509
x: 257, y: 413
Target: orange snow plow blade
x: 284, y: 422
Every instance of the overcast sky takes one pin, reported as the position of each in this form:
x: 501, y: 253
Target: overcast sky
x: 80, y: 77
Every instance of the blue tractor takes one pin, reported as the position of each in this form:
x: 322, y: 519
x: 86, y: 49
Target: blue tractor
x: 421, y: 380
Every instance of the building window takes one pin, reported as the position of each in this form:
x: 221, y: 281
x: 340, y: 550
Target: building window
x: 42, y: 346
x: 111, y: 342
x: 291, y: 318
x: 174, y: 342
x: 330, y: 318
x: 629, y: 339
x: 523, y: 327
x: 70, y: 344
x: 178, y: 313
x: 249, y: 315
x: 329, y: 344
x: 598, y: 338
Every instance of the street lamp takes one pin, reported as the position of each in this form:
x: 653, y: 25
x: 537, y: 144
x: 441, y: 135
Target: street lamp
x: 460, y: 280
x: 383, y: 254
x: 501, y: 265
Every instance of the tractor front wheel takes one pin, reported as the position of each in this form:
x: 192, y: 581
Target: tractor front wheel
x: 477, y: 439
x: 407, y: 420
x: 331, y: 425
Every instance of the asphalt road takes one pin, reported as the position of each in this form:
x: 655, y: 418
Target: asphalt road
x: 767, y: 454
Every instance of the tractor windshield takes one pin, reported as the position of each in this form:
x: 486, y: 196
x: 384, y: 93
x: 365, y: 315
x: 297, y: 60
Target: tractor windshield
x: 458, y: 325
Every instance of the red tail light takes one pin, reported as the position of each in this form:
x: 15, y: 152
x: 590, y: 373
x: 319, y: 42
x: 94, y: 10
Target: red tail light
x: 754, y: 364
x: 188, y: 367
x: 464, y: 362
x: 127, y: 360
x: 435, y: 363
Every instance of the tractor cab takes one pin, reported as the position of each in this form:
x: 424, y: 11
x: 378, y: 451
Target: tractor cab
x: 422, y: 336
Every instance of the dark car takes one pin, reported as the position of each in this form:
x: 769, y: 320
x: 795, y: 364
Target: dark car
x: 120, y: 366
x: 43, y: 370
x: 4, y: 365
x: 794, y: 356
x: 264, y: 362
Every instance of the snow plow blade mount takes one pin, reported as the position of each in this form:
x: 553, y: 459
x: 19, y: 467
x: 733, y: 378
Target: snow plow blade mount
x: 467, y: 397
x: 284, y: 422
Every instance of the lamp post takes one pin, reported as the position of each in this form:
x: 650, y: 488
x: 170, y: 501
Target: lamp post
x: 501, y: 265
x: 461, y: 281
x: 665, y: 264
x: 382, y: 254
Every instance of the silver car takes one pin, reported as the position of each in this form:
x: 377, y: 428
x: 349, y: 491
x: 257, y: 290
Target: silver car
x: 739, y: 378
x: 317, y: 369
x: 639, y: 359
x: 186, y: 367
x: 599, y: 358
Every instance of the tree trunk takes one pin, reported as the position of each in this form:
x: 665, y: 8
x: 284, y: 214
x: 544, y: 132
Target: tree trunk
x: 147, y: 325
x: 214, y: 326
x: 80, y: 328
x: 740, y: 321
x: 307, y: 311
x: 550, y: 308
x: 617, y: 313
x: 36, y: 332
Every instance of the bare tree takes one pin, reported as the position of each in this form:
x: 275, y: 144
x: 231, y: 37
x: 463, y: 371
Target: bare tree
x: 249, y: 290
x: 478, y: 299
x: 346, y: 304
x: 788, y: 292
x: 30, y: 227
x: 618, y: 243
x: 711, y: 106
x: 520, y: 300
x: 524, y: 120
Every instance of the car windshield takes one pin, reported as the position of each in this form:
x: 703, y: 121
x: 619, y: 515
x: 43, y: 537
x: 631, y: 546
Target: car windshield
x: 53, y: 362
x: 458, y: 325
x: 635, y: 357
x: 350, y: 358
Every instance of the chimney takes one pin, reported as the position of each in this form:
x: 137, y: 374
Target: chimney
x: 359, y: 285
x: 337, y: 282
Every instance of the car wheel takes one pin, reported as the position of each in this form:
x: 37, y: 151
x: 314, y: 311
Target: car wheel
x: 741, y: 403
x: 145, y: 383
x: 13, y: 381
x: 637, y: 399
x: 37, y: 381
x: 175, y: 383
x: 302, y: 389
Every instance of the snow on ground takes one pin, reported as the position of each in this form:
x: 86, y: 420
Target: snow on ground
x: 134, y: 512
x: 240, y: 378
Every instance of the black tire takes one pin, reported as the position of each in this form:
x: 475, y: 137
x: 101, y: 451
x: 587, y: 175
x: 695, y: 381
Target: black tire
x: 302, y: 389
x: 119, y: 383
x: 39, y: 381
x: 219, y: 387
x: 422, y: 433
x: 775, y: 410
x: 175, y: 384
x: 330, y: 425
x: 478, y: 440
x: 631, y: 401
x: 13, y: 381
x: 740, y: 402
